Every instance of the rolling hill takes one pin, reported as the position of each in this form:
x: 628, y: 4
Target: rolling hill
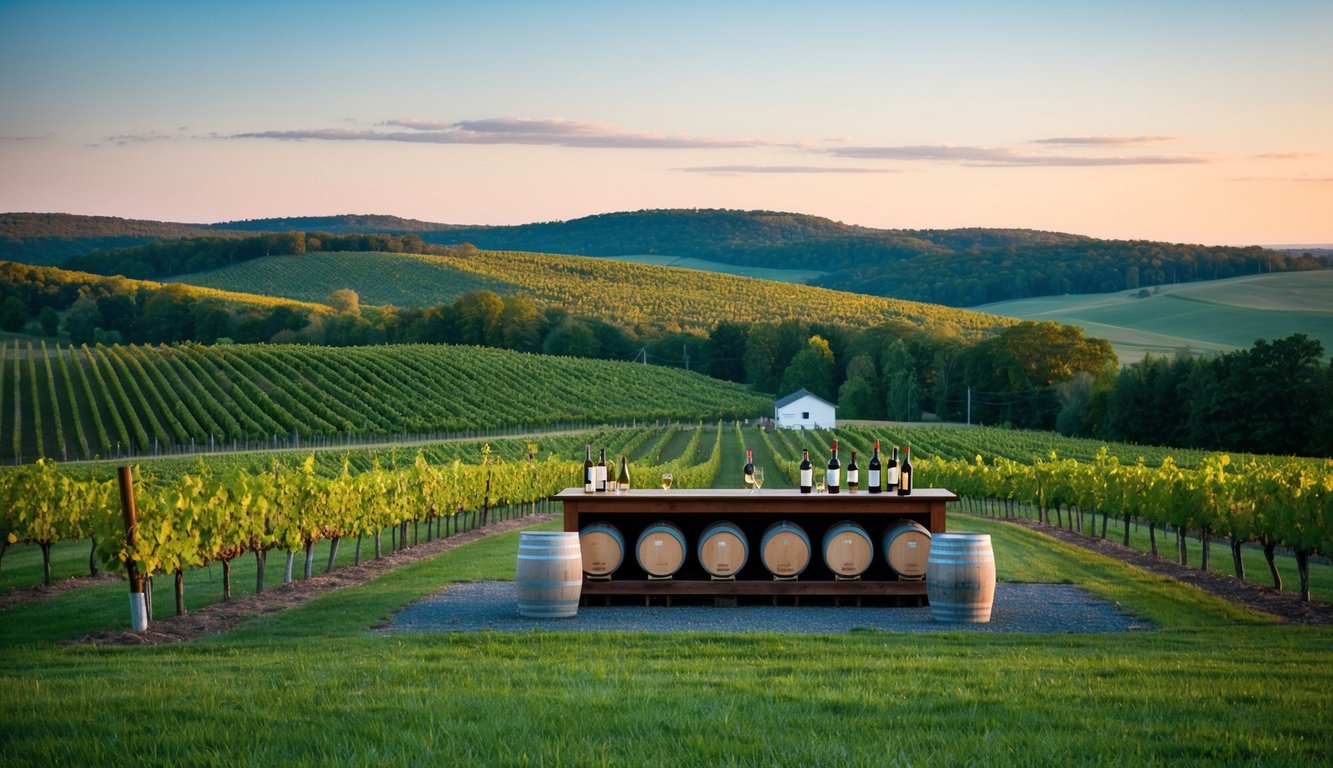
x: 1213, y: 316
x: 47, y: 239
x: 623, y: 293
x: 400, y: 279
x: 958, y: 267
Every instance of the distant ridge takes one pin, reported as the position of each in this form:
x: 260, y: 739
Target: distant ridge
x: 343, y: 224
x: 954, y: 267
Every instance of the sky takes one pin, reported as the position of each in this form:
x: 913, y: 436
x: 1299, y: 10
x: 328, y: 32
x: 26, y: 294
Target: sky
x: 1208, y: 121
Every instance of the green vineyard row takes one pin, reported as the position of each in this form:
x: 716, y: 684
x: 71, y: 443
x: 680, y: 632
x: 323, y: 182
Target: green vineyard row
x: 191, y: 519
x: 71, y: 403
x: 1274, y: 501
x: 231, y: 505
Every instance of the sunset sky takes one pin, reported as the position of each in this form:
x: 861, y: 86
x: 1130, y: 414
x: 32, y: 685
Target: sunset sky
x: 1207, y: 122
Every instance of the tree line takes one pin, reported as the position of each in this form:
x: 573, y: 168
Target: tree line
x: 956, y: 268
x: 1028, y: 375
x: 984, y: 275
x: 168, y: 258
x: 1276, y: 397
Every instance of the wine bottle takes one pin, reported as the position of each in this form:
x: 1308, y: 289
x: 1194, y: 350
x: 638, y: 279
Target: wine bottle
x: 905, y: 474
x: 891, y: 471
x: 622, y: 479
x: 589, y: 476
x: 600, y: 473
x: 872, y: 472
x: 749, y: 468
x: 853, y: 475
x: 807, y: 473
x: 834, y: 476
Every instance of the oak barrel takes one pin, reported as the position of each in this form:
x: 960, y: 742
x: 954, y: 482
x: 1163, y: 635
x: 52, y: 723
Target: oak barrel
x: 848, y: 550
x: 661, y: 549
x: 960, y: 577
x: 603, y: 549
x: 723, y: 549
x: 785, y: 549
x: 548, y: 577
x: 907, y: 549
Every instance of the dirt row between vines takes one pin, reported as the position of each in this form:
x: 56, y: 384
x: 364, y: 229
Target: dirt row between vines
x: 1286, y: 605
x: 219, y: 618
x: 222, y: 617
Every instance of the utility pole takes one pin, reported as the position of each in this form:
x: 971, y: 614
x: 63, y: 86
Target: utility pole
x: 969, y: 405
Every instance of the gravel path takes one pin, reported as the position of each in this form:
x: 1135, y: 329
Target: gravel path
x: 490, y: 605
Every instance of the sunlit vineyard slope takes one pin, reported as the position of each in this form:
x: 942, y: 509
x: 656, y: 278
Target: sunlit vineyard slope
x: 624, y: 293
x: 400, y: 279
x: 80, y: 402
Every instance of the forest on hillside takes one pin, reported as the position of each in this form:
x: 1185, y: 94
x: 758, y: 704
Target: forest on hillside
x: 48, y: 239
x: 957, y: 267
x: 1274, y: 398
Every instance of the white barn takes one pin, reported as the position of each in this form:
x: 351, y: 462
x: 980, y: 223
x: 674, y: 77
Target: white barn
x: 804, y: 410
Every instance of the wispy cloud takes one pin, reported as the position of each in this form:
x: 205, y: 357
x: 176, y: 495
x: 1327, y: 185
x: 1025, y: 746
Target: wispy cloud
x: 138, y: 138
x: 563, y: 132
x: 1286, y: 179
x: 1285, y: 155
x: 507, y: 130
x: 780, y: 169
x: 941, y: 153
x: 26, y: 138
x: 149, y: 137
x: 1104, y: 141
x: 1006, y: 157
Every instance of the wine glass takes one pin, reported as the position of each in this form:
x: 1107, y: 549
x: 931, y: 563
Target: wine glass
x: 819, y: 486
x: 758, y: 478
x: 666, y: 481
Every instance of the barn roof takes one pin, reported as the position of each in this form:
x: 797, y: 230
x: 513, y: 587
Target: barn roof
x: 797, y: 395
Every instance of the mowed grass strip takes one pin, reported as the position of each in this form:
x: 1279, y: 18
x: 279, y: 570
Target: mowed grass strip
x: 318, y: 685
x: 1219, y: 557
x: 555, y: 698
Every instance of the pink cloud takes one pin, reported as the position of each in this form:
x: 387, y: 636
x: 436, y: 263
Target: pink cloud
x: 507, y: 130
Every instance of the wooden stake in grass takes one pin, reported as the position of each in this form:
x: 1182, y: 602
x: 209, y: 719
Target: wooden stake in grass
x: 138, y: 608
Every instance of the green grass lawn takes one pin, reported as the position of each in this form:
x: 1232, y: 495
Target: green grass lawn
x: 1209, y: 684
x: 1219, y: 557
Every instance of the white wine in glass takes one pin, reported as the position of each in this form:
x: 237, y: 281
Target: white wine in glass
x: 758, y: 478
x: 666, y: 481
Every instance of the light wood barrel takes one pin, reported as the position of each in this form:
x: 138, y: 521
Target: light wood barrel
x: 548, y: 577
x: 907, y: 550
x: 603, y: 549
x: 960, y: 577
x: 661, y: 549
x: 785, y: 549
x: 848, y: 550
x: 723, y: 549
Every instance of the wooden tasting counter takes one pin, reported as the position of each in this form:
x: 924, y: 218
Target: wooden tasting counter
x: 691, y: 511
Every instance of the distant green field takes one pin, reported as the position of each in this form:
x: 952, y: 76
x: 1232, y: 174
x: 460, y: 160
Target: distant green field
x: 780, y: 275
x: 400, y: 279
x: 1214, y: 316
